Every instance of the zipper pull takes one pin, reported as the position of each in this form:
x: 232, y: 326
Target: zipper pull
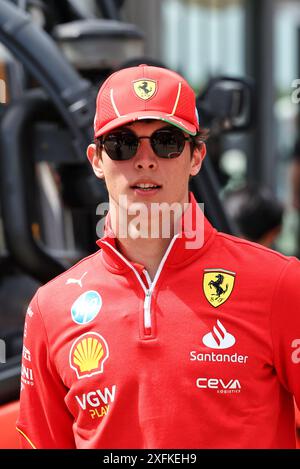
x: 147, y: 277
x: 147, y: 312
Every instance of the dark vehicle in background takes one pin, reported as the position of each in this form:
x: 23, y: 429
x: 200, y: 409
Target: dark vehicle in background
x: 53, y: 57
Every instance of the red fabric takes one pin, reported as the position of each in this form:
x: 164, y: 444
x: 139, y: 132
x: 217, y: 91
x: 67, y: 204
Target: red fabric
x: 297, y: 426
x: 171, y: 99
x: 114, y: 381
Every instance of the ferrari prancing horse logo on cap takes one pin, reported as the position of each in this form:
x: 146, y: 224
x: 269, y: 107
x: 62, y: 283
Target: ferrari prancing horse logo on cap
x: 218, y: 285
x: 144, y: 88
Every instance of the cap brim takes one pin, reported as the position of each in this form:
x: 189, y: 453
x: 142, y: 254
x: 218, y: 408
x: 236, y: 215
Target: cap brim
x: 142, y: 115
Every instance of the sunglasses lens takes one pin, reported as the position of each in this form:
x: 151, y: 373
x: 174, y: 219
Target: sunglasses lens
x: 121, y: 146
x: 168, y: 143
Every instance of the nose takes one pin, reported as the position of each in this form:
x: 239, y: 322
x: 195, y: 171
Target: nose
x: 145, y: 158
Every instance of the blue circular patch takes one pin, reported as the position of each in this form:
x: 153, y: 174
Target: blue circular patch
x: 86, y: 307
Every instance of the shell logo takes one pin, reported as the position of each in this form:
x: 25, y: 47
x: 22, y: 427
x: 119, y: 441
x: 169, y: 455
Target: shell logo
x: 88, y: 354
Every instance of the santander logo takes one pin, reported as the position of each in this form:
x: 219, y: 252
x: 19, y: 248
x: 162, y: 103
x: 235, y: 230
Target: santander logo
x: 219, y: 338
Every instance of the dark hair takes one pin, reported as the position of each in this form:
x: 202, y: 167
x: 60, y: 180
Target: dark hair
x: 200, y: 138
x: 136, y: 61
x: 255, y: 210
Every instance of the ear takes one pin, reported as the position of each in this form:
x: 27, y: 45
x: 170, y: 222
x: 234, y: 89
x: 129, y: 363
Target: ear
x: 95, y: 160
x: 197, y: 158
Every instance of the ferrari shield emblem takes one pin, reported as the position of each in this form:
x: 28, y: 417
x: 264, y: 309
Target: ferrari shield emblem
x: 144, y: 89
x: 217, y: 285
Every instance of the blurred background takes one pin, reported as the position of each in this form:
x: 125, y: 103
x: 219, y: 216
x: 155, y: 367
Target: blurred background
x: 242, y: 58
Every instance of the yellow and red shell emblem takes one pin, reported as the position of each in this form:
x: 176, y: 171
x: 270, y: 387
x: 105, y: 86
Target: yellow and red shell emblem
x: 88, y: 354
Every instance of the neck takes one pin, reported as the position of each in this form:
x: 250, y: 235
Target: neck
x: 145, y: 238
x: 148, y: 253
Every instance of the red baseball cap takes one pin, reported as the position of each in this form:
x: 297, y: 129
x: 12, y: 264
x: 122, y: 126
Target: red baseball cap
x: 145, y: 92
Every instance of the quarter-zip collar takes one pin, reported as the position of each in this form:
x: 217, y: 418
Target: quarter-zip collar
x: 194, y: 234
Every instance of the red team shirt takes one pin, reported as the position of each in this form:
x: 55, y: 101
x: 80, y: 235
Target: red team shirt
x: 205, y: 356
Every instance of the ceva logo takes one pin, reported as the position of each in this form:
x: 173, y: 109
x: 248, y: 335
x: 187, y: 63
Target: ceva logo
x: 219, y: 338
x: 219, y: 384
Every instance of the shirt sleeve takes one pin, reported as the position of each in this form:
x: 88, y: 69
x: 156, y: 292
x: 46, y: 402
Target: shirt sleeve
x: 44, y: 420
x: 285, y: 325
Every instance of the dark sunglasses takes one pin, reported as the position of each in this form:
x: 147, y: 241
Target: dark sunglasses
x: 122, y: 144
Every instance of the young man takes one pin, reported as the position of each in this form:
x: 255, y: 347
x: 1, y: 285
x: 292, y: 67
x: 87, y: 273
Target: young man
x: 172, y: 335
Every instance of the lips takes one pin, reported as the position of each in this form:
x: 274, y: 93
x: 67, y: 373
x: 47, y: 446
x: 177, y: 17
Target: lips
x: 146, y: 186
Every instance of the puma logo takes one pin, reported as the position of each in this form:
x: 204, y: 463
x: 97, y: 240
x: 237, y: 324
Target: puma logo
x: 75, y: 280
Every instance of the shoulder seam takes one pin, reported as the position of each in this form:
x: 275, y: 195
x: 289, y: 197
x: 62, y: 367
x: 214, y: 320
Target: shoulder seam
x: 254, y: 245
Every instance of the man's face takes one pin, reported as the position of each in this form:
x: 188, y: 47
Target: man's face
x: 171, y: 175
